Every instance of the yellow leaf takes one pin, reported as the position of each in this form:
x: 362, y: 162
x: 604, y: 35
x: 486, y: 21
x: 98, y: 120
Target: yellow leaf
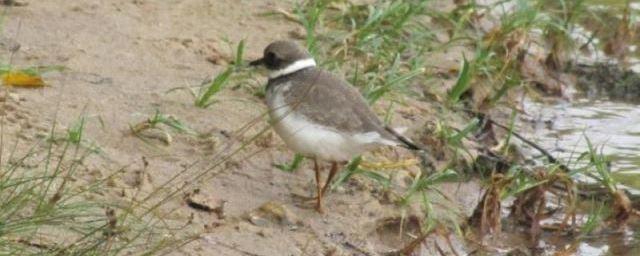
x: 22, y: 79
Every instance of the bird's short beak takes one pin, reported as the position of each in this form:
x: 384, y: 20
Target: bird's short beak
x: 257, y: 62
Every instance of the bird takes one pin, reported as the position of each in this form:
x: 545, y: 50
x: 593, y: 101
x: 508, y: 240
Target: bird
x: 318, y: 114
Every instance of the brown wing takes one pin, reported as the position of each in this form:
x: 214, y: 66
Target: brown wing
x: 333, y: 102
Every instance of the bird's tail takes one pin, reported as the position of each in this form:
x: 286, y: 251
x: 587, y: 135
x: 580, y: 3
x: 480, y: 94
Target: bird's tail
x: 406, y: 142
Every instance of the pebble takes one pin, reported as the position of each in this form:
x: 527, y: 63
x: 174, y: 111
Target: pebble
x: 264, y: 233
x: 297, y: 33
x: 158, y: 134
x: 272, y: 212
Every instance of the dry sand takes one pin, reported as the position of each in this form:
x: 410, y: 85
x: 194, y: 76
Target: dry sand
x: 122, y: 58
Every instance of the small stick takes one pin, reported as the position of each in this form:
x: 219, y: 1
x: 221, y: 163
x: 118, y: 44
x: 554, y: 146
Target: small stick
x: 413, y: 245
x: 546, y: 153
x: 287, y: 15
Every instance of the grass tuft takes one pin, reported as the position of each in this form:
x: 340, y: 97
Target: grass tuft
x: 204, y: 97
x: 47, y: 211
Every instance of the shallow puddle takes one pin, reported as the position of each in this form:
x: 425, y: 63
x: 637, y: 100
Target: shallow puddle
x: 613, y: 127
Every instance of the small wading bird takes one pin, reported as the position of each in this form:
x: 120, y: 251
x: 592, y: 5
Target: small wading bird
x: 319, y: 115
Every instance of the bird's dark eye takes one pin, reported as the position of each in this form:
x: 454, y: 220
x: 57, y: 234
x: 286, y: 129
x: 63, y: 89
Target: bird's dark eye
x: 271, y: 60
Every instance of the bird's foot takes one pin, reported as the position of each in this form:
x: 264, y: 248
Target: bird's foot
x: 307, y: 202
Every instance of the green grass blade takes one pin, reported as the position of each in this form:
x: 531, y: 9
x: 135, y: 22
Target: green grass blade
x: 239, y: 62
x: 456, y: 138
x: 295, y: 164
x: 462, y: 84
x: 213, y: 88
x: 350, y: 170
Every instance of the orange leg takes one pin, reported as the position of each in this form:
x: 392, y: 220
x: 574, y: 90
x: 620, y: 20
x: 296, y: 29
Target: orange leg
x: 316, y: 168
x: 332, y: 173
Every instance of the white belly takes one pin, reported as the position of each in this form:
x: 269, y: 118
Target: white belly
x: 315, y: 140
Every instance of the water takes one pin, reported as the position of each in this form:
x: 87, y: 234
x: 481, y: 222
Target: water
x: 613, y: 127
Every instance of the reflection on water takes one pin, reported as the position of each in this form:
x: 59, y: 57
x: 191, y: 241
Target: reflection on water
x: 613, y: 127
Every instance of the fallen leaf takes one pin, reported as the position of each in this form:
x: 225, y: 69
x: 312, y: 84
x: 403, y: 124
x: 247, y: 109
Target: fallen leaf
x: 22, y: 79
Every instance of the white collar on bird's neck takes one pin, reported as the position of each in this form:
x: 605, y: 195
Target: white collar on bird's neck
x: 293, y: 67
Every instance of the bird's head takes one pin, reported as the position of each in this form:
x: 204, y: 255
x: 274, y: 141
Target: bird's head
x: 284, y: 57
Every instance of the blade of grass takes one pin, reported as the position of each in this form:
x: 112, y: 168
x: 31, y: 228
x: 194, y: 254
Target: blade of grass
x: 204, y: 100
x: 293, y: 166
x: 462, y: 84
x: 239, y: 61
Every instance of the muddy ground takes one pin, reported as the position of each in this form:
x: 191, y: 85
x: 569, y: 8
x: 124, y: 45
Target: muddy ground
x: 122, y: 57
